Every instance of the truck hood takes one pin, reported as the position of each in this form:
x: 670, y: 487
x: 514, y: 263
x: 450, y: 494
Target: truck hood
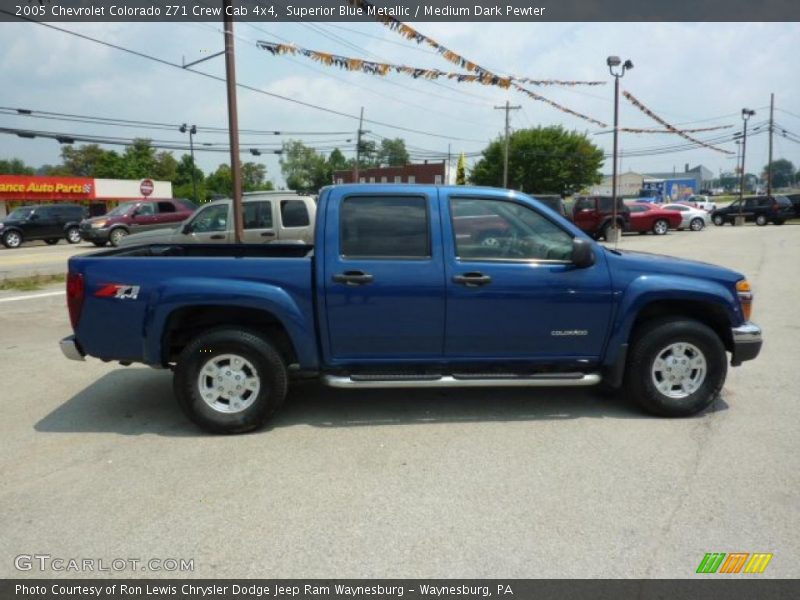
x: 157, y: 236
x: 644, y: 263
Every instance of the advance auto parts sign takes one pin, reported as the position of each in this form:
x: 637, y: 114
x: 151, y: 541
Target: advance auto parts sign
x: 29, y: 187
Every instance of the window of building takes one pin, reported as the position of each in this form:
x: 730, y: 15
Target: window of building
x: 385, y: 227
x: 339, y: 181
x: 294, y: 213
x: 384, y: 179
x: 372, y: 180
x: 362, y: 180
x: 437, y: 179
x: 398, y: 179
x: 412, y: 179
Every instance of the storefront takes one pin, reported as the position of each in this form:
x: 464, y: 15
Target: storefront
x: 99, y: 195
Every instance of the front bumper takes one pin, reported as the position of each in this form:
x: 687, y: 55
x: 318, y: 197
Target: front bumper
x: 71, y: 349
x: 746, y: 343
x: 94, y: 234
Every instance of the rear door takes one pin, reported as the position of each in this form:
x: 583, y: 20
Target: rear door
x: 259, y: 221
x: 43, y: 223
x: 168, y: 213
x: 384, y: 277
x: 585, y: 215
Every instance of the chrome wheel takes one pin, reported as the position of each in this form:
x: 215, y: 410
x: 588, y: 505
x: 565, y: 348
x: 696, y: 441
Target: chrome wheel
x: 660, y: 227
x: 73, y: 235
x: 228, y: 383
x: 117, y: 235
x: 719, y: 221
x: 12, y: 239
x: 679, y: 370
x: 697, y: 224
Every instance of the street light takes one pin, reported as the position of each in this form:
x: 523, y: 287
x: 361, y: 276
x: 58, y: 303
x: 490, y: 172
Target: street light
x: 192, y: 131
x: 617, y: 72
x: 746, y: 114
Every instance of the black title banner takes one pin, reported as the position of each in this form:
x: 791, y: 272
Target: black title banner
x: 403, y: 10
x: 353, y: 589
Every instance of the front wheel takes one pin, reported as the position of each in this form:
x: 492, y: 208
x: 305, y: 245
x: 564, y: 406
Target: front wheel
x: 230, y: 380
x: 697, y: 224
x: 73, y: 235
x: 761, y: 220
x: 660, y: 227
x: 718, y: 220
x: 12, y: 239
x: 676, y: 367
x: 116, y: 235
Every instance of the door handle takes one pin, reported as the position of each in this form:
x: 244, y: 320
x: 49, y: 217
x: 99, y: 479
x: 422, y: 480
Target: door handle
x: 472, y: 279
x: 268, y: 234
x: 353, y: 278
x: 218, y: 236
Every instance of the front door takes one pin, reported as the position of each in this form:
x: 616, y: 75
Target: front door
x: 384, y: 278
x: 514, y: 293
x: 209, y: 225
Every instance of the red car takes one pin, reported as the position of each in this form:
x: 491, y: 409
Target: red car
x: 650, y: 217
x: 135, y: 216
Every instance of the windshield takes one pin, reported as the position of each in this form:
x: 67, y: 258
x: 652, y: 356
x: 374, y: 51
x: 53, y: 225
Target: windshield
x: 121, y: 210
x: 20, y: 213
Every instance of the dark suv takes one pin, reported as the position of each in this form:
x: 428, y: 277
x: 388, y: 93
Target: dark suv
x: 50, y: 222
x: 795, y: 200
x: 133, y: 217
x: 758, y: 209
x: 594, y: 215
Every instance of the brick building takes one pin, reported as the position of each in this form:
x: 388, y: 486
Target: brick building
x: 429, y: 173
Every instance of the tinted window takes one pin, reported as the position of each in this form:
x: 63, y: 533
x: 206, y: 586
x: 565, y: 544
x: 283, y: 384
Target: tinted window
x: 583, y: 203
x: 166, y: 207
x: 764, y: 202
x: 783, y: 200
x: 508, y: 231
x: 294, y: 213
x: 385, y: 227
x: 750, y: 203
x: 211, y: 218
x: 258, y: 215
x: 637, y: 209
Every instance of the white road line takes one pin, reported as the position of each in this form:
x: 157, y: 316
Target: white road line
x: 32, y: 296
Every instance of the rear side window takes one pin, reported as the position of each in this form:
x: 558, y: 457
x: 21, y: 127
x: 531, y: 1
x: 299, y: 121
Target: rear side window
x: 258, y: 215
x: 166, y: 207
x: 764, y: 202
x: 385, y: 227
x: 294, y: 213
x: 783, y: 201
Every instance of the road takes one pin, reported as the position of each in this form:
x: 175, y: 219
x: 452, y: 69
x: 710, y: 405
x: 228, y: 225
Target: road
x: 98, y: 462
x: 37, y: 258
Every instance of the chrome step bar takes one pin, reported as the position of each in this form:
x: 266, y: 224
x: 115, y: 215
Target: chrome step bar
x: 428, y: 381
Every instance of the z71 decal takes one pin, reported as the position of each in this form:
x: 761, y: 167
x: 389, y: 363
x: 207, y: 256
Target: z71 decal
x: 115, y: 290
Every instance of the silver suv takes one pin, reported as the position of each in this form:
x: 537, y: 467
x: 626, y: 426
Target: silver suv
x: 279, y: 216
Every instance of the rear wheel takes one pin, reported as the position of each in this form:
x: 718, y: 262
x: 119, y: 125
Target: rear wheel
x: 697, y: 224
x: 116, y: 235
x: 676, y: 368
x: 51, y: 241
x: 230, y: 380
x: 73, y: 235
x: 718, y: 220
x: 660, y: 227
x: 761, y: 220
x: 12, y: 239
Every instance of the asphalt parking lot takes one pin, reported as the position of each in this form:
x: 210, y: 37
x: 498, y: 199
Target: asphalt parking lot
x: 37, y: 258
x: 98, y: 462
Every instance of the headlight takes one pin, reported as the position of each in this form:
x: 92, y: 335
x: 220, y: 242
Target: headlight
x: 745, y: 294
x: 99, y: 224
x: 1, y: 225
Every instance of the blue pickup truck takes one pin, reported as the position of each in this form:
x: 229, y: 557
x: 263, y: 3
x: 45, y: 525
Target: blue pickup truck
x: 413, y: 286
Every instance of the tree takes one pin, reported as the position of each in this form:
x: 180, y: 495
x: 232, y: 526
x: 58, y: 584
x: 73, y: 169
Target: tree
x: 393, y: 153
x: 182, y: 184
x: 220, y: 182
x: 461, y: 170
x: 369, y: 155
x: 540, y: 160
x: 139, y: 160
x: 338, y: 162
x: 782, y: 173
x: 89, y: 160
x: 15, y: 166
x: 254, y: 177
x: 303, y: 168
x: 166, y: 167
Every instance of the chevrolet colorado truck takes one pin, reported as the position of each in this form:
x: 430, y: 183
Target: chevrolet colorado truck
x: 413, y: 286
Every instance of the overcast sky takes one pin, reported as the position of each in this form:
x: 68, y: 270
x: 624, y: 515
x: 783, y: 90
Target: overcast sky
x: 691, y: 74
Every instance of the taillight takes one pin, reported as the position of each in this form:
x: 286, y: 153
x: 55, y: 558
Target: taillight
x: 75, y: 293
x: 745, y: 294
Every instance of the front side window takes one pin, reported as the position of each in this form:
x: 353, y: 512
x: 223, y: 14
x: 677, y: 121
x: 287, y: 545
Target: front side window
x: 258, y: 215
x: 507, y: 231
x: 211, y: 218
x: 385, y: 227
x: 145, y: 210
x: 294, y: 213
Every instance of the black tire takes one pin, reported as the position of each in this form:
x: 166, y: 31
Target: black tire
x: 607, y: 228
x: 660, y: 227
x: 697, y: 224
x: 116, y: 235
x: 52, y: 241
x: 718, y: 220
x: 648, y: 343
x: 267, y: 365
x: 12, y: 239
x: 99, y: 244
x: 73, y: 235
x: 761, y: 220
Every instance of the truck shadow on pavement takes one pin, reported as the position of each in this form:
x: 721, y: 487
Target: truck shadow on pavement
x: 136, y: 401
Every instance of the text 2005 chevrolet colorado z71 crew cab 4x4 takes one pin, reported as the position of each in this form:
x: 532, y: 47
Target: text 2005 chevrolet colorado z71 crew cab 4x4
x: 413, y: 286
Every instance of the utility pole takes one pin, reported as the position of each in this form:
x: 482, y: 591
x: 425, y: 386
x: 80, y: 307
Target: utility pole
x: 508, y: 108
x: 358, y: 145
x: 192, y: 131
x: 233, y: 122
x: 769, y: 163
x: 746, y: 114
x: 447, y: 181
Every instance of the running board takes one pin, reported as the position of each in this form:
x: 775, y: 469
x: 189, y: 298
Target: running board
x: 441, y: 381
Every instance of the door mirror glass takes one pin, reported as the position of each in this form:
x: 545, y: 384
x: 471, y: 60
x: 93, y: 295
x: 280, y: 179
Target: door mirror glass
x: 582, y: 253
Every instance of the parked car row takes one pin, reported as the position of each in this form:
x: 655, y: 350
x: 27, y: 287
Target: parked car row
x: 757, y: 209
x: 51, y: 223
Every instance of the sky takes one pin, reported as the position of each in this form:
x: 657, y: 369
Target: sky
x: 689, y: 74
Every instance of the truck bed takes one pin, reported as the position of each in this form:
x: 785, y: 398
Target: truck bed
x: 211, y: 250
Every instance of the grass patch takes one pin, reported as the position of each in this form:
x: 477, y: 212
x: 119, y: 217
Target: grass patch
x: 32, y: 283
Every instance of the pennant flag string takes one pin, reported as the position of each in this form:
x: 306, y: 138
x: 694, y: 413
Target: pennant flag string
x: 412, y: 34
x: 649, y: 130
x: 633, y: 100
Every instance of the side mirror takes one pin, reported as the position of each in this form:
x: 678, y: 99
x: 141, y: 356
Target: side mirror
x: 33, y: 217
x: 582, y: 253
x: 186, y: 229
